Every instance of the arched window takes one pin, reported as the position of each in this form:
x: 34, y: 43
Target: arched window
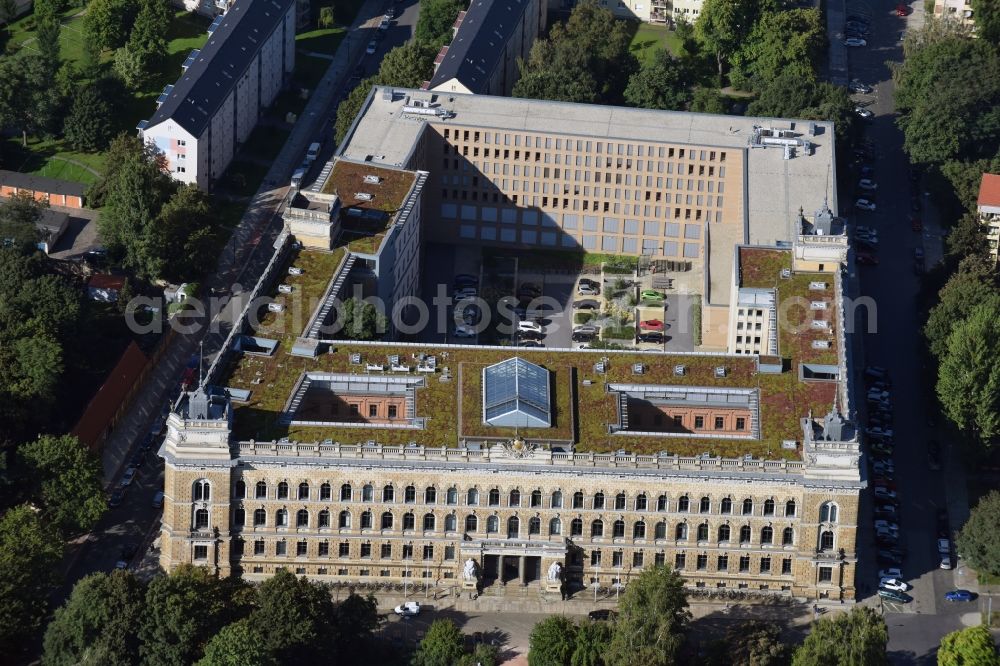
x: 388, y: 494
x: 202, y: 491
x: 578, y: 500
x: 366, y: 520
x: 513, y: 527
x: 324, y: 518
x: 344, y: 520
x: 451, y: 497
x: 450, y: 523
x: 239, y: 517
x: 620, y: 502
x: 618, y: 529
x: 367, y: 493
x: 703, y: 532
x: 325, y: 490
x: 241, y: 489
x: 302, y: 518
x: 769, y: 507
x: 492, y: 524
x: 683, y: 503
x: 599, y: 501
x: 201, y: 519
x: 660, y: 531
x: 556, y: 500
x: 597, y: 528
x: 409, y: 495
x: 261, y: 490
x: 494, y: 497
x: 345, y: 492
x: 787, y: 536
x: 283, y: 490
x: 281, y: 518
x: 767, y: 535
x: 681, y: 531
x: 828, y: 513
x: 639, y: 530
x: 705, y: 505
x: 726, y: 507
x: 555, y: 527
x: 409, y: 521
x: 724, y: 533
x: 430, y: 495
x: 303, y: 491
x: 387, y: 520
x: 472, y: 497
x: 747, y: 507
x: 259, y: 518
x: 789, y: 508
x: 661, y: 503
x: 641, y: 502
x: 826, y: 540
x: 576, y: 527
x: 514, y: 498
x: 536, y: 498
x: 534, y: 525
x: 429, y: 522
x: 745, y: 534
x: 471, y: 523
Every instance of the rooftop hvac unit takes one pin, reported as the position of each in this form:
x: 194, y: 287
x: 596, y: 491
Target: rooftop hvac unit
x: 355, y: 358
x: 819, y: 324
x: 638, y: 368
x: 817, y: 286
x: 364, y: 196
x: 820, y: 344
x: 293, y: 270
x: 786, y: 273
x: 372, y: 180
x: 720, y: 371
x: 680, y: 370
x: 817, y: 305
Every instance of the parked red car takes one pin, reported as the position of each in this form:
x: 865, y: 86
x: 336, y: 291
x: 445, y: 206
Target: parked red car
x: 651, y: 325
x: 902, y: 10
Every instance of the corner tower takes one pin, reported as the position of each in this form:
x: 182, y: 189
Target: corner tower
x: 196, y: 484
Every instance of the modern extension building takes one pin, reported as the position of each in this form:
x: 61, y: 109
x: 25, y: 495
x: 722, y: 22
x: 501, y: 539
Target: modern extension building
x: 489, y: 39
x: 203, y: 119
x: 530, y: 174
x: 988, y: 207
x: 959, y: 10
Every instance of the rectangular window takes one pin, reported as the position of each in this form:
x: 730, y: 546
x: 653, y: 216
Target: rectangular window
x: 324, y: 549
x: 699, y: 422
x: 392, y: 411
x: 595, y: 558
x: 258, y: 547
x: 344, y: 549
x: 744, y: 563
x: 201, y: 552
x: 741, y: 423
x: 449, y: 552
x: 385, y: 551
x: 765, y: 565
x: 679, y: 561
x: 301, y: 548
x: 786, y: 566
x: 825, y: 574
x: 722, y: 563
x: 702, y: 562
x: 719, y: 423
x: 428, y: 552
x: 617, y: 558
x: 281, y: 548
x: 407, y: 551
x: 637, y: 559
x: 366, y: 550
x: 372, y: 411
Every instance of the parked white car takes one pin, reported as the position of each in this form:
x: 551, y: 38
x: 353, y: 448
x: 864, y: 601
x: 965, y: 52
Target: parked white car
x: 854, y: 41
x: 882, y: 493
x: 867, y: 184
x: 893, y: 584
x: 533, y: 326
x: 463, y: 331
x: 408, y: 609
x: 944, y: 546
x: 864, y: 204
x: 863, y: 112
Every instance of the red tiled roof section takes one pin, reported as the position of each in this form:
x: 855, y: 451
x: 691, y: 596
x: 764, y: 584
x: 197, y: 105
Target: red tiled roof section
x: 103, y: 281
x: 111, y: 397
x: 989, y: 190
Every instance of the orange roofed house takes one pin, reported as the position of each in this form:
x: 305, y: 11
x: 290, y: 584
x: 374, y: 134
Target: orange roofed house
x: 988, y: 206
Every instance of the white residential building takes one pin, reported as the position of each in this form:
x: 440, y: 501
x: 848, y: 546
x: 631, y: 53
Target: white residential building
x: 202, y: 120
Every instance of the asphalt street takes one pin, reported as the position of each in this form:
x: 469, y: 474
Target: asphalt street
x: 915, y: 629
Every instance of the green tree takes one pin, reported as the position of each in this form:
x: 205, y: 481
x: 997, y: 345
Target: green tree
x: 8, y: 11
x: 592, y: 640
x: 552, y: 642
x: 788, y: 40
x: 979, y: 539
x: 361, y: 321
x: 652, y: 617
x: 88, y: 125
x: 408, y: 65
x: 350, y: 107
x: 441, y: 646
x: 182, y: 612
x: 326, y: 17
x: 96, y: 626
x: 28, y: 95
x: 107, y: 23
x: 972, y: 285
x: 296, y: 619
x: 661, y: 83
x: 181, y: 236
x: 857, y: 638
x: 149, y: 32
x: 793, y: 96
x: 987, y: 15
x: 968, y: 383
x: 67, y: 478
x: 972, y: 646
x: 132, y: 65
x: 237, y: 644
x: 30, y: 552
x: 48, y: 8
x: 757, y: 643
x: 707, y: 100
x: 435, y: 21
x: 355, y: 617
x: 724, y: 25
x: 483, y: 655
x: 47, y: 39
x: 966, y: 176
x: 19, y: 216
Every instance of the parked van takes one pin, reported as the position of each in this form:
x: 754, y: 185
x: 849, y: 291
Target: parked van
x: 298, y: 177
x: 313, y: 152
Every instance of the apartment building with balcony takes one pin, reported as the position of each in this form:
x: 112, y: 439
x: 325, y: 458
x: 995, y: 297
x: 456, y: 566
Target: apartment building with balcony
x: 202, y: 120
x: 959, y: 10
x: 988, y: 207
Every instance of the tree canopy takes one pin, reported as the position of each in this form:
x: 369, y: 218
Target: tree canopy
x: 435, y: 21
x: 68, y: 481
x: 552, y: 642
x: 360, y: 320
x: 857, y: 638
x: 782, y: 41
x: 979, y: 539
x: 723, y: 26
x: 443, y: 645
x: 972, y: 646
x: 652, y: 618
x: 661, y: 83
x: 19, y: 216
x: 972, y: 285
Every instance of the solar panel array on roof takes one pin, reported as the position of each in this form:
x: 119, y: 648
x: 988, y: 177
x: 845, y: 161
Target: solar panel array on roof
x: 516, y: 395
x: 216, y: 23
x: 191, y: 58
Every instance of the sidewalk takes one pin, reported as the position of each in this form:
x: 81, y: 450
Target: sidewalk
x: 258, y: 220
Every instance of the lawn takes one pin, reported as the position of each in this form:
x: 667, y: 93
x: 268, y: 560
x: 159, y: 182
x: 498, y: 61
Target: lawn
x: 309, y: 70
x: 324, y: 40
x: 650, y: 37
x: 50, y: 158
